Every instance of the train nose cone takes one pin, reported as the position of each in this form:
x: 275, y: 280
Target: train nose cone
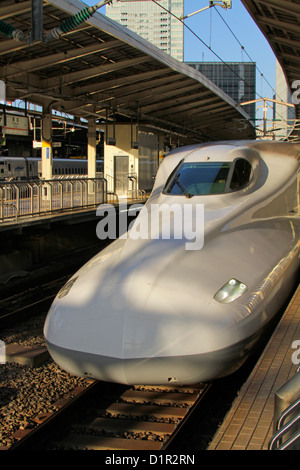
x: 139, y: 335
x: 130, y: 321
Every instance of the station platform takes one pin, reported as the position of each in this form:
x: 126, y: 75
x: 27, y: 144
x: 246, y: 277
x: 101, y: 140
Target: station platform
x: 249, y: 423
x: 67, y: 216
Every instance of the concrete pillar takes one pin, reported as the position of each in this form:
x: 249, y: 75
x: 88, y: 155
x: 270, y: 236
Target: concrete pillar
x: 47, y: 144
x: 91, y: 150
x: 123, y: 134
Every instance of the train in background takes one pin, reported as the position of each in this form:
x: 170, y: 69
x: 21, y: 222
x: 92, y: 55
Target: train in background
x: 147, y: 310
x: 23, y: 168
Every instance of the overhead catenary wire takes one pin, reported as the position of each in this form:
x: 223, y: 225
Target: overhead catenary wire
x: 215, y: 53
x: 206, y: 45
x: 251, y: 60
x: 245, y: 51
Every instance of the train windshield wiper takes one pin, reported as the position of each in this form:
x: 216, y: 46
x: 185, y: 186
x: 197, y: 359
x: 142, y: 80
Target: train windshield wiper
x: 181, y: 186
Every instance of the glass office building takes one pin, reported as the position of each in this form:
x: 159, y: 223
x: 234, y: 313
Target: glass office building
x: 236, y: 79
x: 152, y: 22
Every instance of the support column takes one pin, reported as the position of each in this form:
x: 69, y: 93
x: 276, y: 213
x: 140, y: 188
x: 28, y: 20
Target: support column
x: 47, y: 144
x: 91, y: 150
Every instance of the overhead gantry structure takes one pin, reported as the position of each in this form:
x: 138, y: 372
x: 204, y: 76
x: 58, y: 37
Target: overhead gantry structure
x: 279, y: 21
x: 102, y: 71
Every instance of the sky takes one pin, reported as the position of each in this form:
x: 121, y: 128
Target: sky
x: 210, y: 27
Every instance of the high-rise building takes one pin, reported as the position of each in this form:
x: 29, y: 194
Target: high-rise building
x: 236, y: 79
x: 152, y: 22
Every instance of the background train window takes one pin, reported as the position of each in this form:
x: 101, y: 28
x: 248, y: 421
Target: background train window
x: 198, y: 178
x: 241, y: 174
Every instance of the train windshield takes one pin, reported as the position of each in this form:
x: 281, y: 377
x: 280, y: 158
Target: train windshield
x: 198, y: 178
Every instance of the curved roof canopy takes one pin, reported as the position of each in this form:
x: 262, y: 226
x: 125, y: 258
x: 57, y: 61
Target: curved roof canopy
x: 102, y: 70
x: 279, y: 20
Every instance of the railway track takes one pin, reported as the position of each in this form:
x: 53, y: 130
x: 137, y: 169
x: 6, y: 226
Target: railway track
x: 132, y: 418
x: 26, y: 305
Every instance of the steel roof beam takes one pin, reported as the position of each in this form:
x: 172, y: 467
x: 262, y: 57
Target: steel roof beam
x: 38, y: 63
x: 158, y: 93
x: 294, y: 70
x: 134, y: 96
x: 281, y: 5
x: 215, y: 115
x: 68, y: 94
x: 284, y: 41
x: 114, y: 83
x: 10, y: 45
x: 14, y: 9
x: 155, y: 120
x: 159, y: 85
x: 71, y: 74
x: 292, y: 58
x: 177, y: 105
x: 205, y: 120
x: 189, y: 106
x: 88, y: 73
x: 283, y: 25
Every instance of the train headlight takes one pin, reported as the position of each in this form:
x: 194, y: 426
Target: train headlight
x: 232, y: 290
x: 66, y: 288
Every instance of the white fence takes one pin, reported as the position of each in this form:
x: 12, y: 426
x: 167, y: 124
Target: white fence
x: 27, y: 199
x: 20, y: 199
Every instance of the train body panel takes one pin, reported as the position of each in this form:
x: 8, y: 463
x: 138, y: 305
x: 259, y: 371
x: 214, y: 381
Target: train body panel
x: 153, y: 309
x: 23, y: 168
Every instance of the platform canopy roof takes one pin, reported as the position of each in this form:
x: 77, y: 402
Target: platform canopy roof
x: 279, y: 21
x: 102, y: 70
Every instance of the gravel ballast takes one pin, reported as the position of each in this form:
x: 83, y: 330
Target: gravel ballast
x: 26, y: 392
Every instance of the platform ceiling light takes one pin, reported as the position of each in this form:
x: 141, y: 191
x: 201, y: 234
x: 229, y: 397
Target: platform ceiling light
x: 231, y: 291
x: 224, y: 4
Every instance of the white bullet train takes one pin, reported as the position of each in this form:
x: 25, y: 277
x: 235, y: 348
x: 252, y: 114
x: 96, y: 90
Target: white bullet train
x: 152, y: 308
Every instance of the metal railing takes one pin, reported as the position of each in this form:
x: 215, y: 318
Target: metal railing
x: 20, y: 199
x: 287, y: 415
x: 287, y: 435
x: 27, y: 199
x: 123, y: 190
